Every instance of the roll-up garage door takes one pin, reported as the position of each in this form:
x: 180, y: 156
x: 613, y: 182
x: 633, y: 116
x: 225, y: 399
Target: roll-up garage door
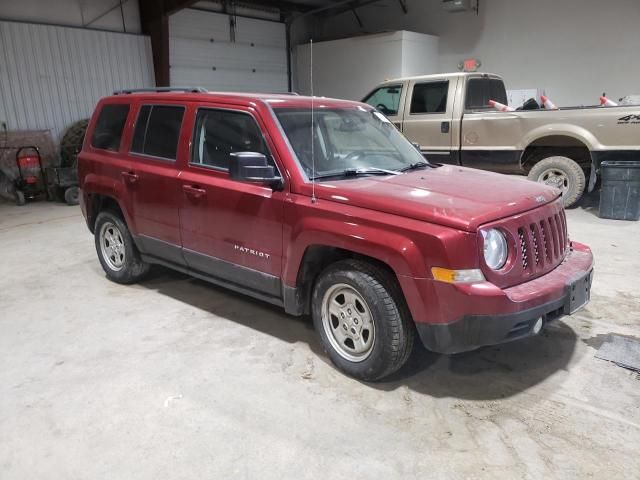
x: 205, y: 50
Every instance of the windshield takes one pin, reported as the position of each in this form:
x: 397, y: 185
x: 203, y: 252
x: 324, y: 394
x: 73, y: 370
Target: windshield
x: 346, y: 139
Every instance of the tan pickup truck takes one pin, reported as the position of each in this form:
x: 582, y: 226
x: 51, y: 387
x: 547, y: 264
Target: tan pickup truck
x: 450, y: 118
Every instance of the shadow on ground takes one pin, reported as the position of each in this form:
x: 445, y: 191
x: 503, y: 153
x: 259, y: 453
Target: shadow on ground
x: 489, y: 373
x: 589, y: 202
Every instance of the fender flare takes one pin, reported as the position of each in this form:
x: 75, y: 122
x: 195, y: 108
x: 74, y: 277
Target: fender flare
x: 580, y: 134
x: 100, y: 185
x: 561, y: 130
x: 397, y: 251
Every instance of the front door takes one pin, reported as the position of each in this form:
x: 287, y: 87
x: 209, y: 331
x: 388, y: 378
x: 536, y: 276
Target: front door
x: 153, y: 179
x: 388, y: 99
x: 231, y: 230
x: 428, y: 114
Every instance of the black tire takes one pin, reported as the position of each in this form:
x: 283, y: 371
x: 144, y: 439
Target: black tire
x: 71, y: 142
x: 132, y: 269
x: 72, y: 195
x: 394, y: 330
x: 20, y: 199
x: 574, y: 181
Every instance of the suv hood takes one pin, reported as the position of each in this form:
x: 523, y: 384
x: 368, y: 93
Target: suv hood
x: 457, y: 197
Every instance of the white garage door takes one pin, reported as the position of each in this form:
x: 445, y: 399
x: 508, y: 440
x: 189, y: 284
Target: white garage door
x: 204, y: 53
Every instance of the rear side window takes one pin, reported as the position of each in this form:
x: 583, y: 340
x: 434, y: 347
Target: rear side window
x: 481, y: 90
x: 386, y: 99
x: 157, y: 131
x: 429, y: 97
x: 218, y: 133
x: 108, y: 131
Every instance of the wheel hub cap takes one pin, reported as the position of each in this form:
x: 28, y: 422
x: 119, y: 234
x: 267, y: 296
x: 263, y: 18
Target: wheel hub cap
x: 348, y: 322
x: 555, y: 178
x: 112, y: 246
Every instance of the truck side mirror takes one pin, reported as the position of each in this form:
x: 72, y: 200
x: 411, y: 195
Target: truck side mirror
x: 253, y: 167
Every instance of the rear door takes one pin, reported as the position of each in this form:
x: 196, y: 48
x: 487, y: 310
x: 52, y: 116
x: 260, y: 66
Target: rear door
x: 389, y: 99
x: 153, y: 177
x: 428, y: 115
x: 230, y: 230
x: 488, y: 136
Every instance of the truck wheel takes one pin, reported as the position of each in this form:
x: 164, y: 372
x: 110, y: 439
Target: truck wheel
x: 562, y: 173
x: 72, y: 195
x: 71, y: 142
x: 362, y: 319
x: 118, y: 254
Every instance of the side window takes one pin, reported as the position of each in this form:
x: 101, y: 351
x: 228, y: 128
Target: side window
x: 139, y: 133
x: 157, y: 131
x: 218, y: 133
x: 481, y: 90
x: 429, y: 97
x: 108, y: 130
x: 386, y: 99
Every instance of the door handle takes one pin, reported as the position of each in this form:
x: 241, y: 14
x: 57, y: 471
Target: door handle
x: 444, y: 127
x: 194, y: 191
x: 130, y: 177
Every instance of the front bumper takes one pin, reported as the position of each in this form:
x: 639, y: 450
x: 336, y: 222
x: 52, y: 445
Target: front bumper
x: 501, y: 315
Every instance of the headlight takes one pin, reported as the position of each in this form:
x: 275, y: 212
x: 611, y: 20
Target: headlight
x: 495, y: 248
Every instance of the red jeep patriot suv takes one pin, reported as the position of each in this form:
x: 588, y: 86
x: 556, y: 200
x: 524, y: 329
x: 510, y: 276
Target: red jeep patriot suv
x: 321, y: 206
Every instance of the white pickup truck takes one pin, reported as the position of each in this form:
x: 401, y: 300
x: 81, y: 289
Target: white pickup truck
x: 450, y: 118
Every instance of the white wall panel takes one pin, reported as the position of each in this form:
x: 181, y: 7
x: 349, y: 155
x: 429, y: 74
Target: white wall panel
x: 98, y: 14
x: 203, y: 54
x: 364, y: 61
x: 52, y: 76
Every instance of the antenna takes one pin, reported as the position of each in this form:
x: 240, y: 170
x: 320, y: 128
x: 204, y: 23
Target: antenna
x: 313, y: 157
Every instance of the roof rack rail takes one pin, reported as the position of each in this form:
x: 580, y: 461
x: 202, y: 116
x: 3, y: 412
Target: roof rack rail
x: 161, y: 89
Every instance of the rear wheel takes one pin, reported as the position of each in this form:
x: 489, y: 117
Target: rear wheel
x: 72, y: 195
x: 362, y: 319
x: 116, y: 250
x: 562, y: 173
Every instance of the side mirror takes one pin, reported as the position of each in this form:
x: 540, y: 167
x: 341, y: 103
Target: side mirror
x: 253, y: 167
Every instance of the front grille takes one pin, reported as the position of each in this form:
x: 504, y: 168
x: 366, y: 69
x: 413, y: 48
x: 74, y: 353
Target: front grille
x: 534, y: 237
x: 523, y: 248
x: 543, y: 242
x: 543, y: 234
x: 539, y: 240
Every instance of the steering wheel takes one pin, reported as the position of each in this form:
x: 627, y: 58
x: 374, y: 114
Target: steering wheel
x: 351, y: 156
x: 383, y: 108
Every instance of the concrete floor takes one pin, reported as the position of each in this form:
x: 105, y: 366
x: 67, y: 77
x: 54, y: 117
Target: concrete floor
x: 177, y: 379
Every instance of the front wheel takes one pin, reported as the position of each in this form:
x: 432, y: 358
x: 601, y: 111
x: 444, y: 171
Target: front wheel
x: 562, y: 173
x: 362, y: 319
x: 117, y: 253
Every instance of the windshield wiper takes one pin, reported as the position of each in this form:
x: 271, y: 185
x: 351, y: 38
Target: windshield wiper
x: 355, y: 172
x: 415, y: 166
x: 352, y: 172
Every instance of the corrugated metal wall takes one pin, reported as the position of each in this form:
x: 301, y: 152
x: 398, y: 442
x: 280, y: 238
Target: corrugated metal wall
x: 204, y: 52
x: 52, y: 76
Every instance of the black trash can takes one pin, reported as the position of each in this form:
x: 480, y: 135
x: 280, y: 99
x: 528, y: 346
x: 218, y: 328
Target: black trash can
x: 620, y: 194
